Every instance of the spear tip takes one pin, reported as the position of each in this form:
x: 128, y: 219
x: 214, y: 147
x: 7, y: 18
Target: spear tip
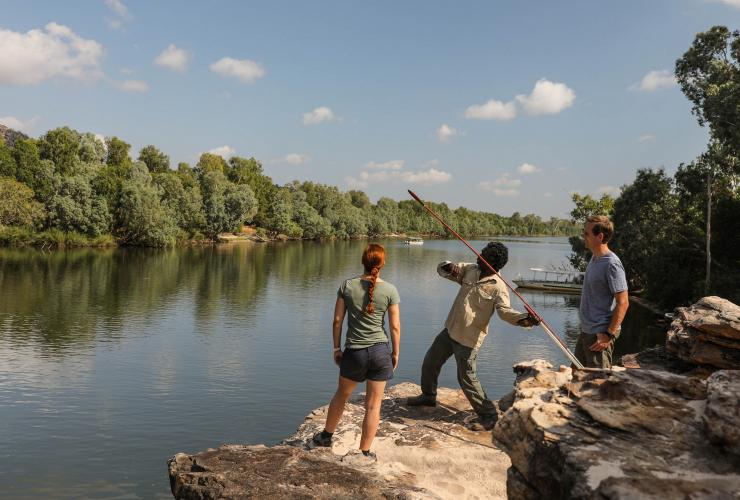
x: 413, y: 195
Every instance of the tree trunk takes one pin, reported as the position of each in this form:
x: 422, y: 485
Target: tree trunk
x: 709, y: 233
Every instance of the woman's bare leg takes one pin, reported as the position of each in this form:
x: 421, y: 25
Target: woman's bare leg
x: 336, y: 407
x: 373, y: 399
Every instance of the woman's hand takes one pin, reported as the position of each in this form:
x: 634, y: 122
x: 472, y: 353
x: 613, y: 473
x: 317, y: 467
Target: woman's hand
x: 394, y: 358
x: 338, y: 357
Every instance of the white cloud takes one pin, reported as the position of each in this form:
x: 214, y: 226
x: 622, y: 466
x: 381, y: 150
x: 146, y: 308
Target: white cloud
x: 223, y: 151
x: 173, y: 58
x: 291, y: 159
x: 646, y: 137
x: 55, y: 51
x: 445, y: 133
x: 547, y: 195
x: 731, y: 3
x: 504, y: 185
x: 612, y: 191
x: 321, y: 114
x: 547, y: 98
x: 430, y: 176
x: 17, y: 123
x: 118, y: 7
x: 132, y: 86
x: 127, y: 71
x: 244, y: 70
x: 528, y: 168
x: 388, y: 165
x: 655, y: 80
x: 114, y: 24
x: 492, y: 110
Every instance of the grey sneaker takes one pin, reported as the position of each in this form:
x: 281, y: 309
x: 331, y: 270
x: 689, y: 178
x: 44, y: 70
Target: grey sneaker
x: 421, y: 400
x: 358, y: 459
x: 319, y: 439
x: 484, y: 423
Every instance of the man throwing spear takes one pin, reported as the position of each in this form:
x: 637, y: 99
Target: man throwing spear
x: 481, y: 292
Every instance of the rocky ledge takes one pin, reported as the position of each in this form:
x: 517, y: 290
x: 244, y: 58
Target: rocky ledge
x: 422, y: 453
x: 666, y: 430
x: 621, y: 434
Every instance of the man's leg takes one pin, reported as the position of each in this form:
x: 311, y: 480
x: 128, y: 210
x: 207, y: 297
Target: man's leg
x: 437, y: 354
x: 589, y: 358
x: 467, y: 376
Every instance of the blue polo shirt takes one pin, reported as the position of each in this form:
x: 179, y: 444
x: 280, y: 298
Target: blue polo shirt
x: 604, y: 278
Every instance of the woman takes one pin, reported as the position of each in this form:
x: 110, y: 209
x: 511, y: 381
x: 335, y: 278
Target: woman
x: 366, y: 356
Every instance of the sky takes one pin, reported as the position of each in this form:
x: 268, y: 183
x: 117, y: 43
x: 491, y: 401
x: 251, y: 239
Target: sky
x: 498, y: 106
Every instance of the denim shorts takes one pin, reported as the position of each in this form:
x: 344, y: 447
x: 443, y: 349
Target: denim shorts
x: 370, y: 363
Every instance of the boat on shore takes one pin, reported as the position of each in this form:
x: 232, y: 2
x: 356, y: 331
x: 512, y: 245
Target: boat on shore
x: 413, y: 240
x: 551, y: 280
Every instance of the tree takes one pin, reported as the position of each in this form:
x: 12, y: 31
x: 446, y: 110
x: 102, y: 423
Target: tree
x: 645, y: 213
x: 709, y: 76
x: 210, y: 162
x: 248, y: 171
x: 61, y: 146
x: 225, y: 204
x: 8, y: 166
x: 92, y: 149
x: 155, y: 160
x: 32, y: 170
x: 18, y: 207
x: 142, y: 219
x: 76, y: 207
x: 118, y: 152
x: 185, y: 203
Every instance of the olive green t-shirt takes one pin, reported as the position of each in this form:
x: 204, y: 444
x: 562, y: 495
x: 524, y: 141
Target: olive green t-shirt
x: 364, y: 330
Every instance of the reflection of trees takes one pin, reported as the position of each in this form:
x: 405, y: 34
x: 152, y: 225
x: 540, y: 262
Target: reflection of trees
x: 67, y: 298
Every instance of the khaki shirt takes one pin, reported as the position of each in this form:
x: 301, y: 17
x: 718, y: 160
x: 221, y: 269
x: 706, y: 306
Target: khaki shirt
x: 467, y: 322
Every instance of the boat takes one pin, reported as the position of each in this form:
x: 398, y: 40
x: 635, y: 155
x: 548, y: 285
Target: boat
x: 413, y: 240
x: 552, y: 280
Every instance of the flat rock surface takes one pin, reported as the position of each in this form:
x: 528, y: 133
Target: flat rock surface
x: 621, y: 434
x: 422, y: 452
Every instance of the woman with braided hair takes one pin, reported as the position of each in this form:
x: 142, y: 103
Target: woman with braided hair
x: 365, y: 300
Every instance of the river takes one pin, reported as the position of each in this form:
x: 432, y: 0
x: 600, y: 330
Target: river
x: 112, y: 361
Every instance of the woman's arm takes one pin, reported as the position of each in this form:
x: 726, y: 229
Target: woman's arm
x: 340, y: 309
x: 394, y: 321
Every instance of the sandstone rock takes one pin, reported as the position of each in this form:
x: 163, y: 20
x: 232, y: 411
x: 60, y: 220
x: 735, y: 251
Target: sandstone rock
x: 707, y: 333
x: 10, y: 136
x: 422, y: 453
x: 620, y: 434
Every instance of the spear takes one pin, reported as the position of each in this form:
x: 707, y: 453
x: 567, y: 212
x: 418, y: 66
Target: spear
x: 549, y: 331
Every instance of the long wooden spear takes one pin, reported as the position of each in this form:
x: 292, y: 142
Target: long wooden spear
x: 549, y: 331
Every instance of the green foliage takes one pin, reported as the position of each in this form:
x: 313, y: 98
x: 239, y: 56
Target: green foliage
x: 155, y: 160
x: 92, y: 149
x: 645, y: 212
x: 7, y: 163
x: 183, y: 201
x: 61, y: 146
x: 225, y: 205
x: 709, y: 76
x: 210, y: 162
x: 75, y: 207
x: 142, y: 219
x: 18, y: 208
x: 249, y: 172
x: 118, y: 152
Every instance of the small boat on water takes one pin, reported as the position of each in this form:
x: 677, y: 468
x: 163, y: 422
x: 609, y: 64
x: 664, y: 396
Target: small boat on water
x: 413, y: 240
x: 551, y: 280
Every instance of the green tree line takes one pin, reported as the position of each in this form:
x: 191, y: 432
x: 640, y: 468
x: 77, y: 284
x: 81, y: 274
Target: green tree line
x: 68, y: 187
x: 678, y: 236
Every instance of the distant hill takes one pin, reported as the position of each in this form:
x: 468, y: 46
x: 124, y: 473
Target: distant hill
x: 10, y: 136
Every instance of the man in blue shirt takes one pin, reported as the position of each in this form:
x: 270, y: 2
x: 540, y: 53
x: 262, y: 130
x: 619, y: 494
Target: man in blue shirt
x: 604, y: 300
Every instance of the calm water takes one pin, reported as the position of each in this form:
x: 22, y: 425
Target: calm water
x: 112, y: 361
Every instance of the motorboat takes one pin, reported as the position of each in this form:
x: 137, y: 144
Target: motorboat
x: 551, y: 280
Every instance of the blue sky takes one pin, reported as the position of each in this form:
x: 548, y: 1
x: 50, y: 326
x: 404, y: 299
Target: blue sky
x: 497, y: 106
